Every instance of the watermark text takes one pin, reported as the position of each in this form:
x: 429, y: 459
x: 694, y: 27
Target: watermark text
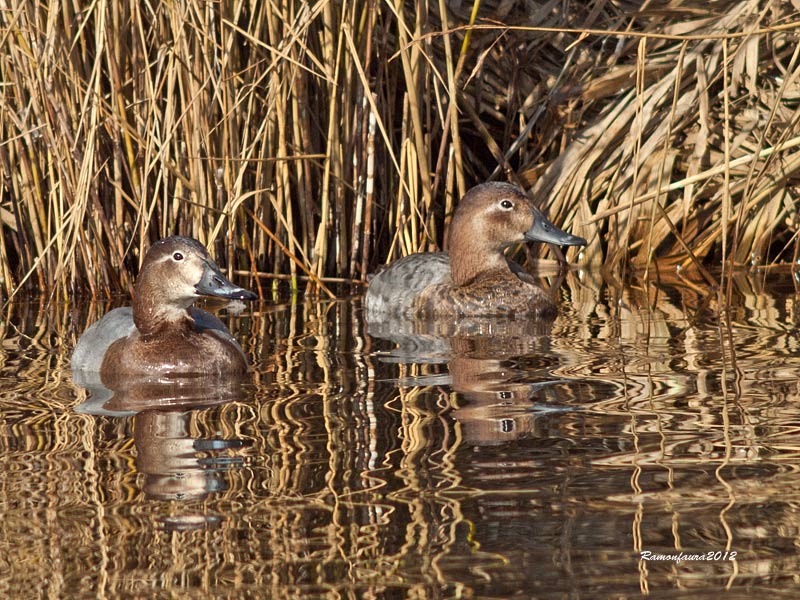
x: 679, y: 557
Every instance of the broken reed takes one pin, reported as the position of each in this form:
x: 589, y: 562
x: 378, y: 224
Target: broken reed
x: 315, y: 140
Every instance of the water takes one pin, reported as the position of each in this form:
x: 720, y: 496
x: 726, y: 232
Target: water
x: 466, y: 460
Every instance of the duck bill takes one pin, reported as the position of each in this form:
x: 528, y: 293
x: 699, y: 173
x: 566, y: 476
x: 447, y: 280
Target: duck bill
x: 214, y: 283
x: 544, y: 231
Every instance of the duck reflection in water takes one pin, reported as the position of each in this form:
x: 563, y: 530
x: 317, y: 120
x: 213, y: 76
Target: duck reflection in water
x: 174, y: 463
x: 496, y: 401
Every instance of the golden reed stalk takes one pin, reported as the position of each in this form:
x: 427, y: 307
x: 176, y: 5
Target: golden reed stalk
x: 315, y: 141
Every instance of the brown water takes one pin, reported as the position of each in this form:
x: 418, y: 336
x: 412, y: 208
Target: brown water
x: 478, y: 460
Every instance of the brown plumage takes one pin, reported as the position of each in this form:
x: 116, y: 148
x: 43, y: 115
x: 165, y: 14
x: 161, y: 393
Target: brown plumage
x: 474, y: 277
x: 162, y: 334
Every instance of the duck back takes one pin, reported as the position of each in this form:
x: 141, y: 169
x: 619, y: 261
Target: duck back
x: 396, y: 289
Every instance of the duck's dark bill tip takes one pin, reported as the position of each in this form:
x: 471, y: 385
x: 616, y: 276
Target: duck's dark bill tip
x: 229, y: 292
x: 574, y: 240
x: 214, y: 283
x: 544, y: 231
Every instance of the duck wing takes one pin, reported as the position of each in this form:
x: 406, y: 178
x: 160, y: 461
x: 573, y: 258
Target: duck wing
x: 395, y: 289
x: 92, y: 345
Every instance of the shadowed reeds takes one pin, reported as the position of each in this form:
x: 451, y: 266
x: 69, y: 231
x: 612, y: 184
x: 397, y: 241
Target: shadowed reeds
x: 318, y: 140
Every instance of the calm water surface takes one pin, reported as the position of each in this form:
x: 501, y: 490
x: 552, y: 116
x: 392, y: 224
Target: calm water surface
x: 408, y: 460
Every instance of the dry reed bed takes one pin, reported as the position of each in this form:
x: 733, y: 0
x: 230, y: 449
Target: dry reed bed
x: 320, y: 139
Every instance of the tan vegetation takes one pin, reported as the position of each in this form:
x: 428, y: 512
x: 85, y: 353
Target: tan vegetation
x: 317, y: 140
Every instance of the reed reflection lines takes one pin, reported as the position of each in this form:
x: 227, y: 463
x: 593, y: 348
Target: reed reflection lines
x: 360, y: 476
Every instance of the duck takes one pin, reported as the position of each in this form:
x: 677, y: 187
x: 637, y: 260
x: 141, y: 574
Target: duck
x: 162, y: 334
x: 473, y: 278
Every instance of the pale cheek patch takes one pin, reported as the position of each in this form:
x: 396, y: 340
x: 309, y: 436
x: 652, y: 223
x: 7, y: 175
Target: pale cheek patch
x: 181, y: 293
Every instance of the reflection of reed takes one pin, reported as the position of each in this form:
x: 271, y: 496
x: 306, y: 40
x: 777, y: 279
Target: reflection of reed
x: 629, y: 432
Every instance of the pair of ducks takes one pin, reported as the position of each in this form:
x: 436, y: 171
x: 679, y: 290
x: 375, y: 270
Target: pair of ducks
x: 163, y: 334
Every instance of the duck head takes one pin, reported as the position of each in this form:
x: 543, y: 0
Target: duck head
x: 175, y: 272
x: 490, y: 218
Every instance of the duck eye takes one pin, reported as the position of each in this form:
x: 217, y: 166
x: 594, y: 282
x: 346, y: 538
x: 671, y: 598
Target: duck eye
x: 506, y: 204
x: 177, y: 256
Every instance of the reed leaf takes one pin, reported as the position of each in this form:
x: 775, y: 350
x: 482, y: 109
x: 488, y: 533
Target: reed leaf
x: 317, y: 140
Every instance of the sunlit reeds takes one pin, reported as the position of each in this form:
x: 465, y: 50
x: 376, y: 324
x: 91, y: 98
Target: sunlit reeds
x: 316, y: 141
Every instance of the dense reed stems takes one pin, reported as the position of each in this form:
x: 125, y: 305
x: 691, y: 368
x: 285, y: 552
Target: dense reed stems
x: 318, y: 140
